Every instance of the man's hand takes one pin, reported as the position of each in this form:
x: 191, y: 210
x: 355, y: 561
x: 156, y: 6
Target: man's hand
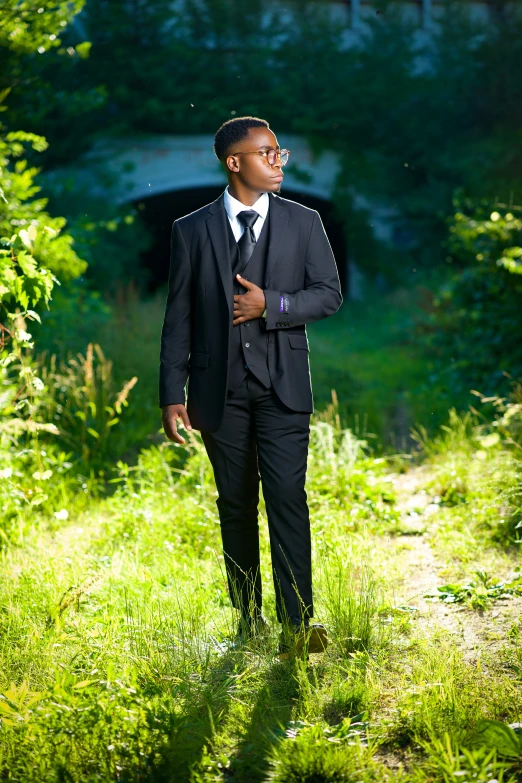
x: 169, y: 416
x: 250, y: 305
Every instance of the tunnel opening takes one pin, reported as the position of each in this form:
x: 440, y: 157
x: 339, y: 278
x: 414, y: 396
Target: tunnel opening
x: 159, y: 212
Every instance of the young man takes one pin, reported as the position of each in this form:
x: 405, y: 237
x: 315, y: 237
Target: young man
x: 247, y: 273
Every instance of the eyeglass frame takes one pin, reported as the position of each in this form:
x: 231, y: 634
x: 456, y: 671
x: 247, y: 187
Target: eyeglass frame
x: 278, y: 152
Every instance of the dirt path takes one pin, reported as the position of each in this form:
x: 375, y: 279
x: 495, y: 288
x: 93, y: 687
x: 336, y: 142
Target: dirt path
x: 475, y: 631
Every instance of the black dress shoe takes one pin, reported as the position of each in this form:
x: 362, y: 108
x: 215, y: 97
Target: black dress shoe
x: 300, y: 640
x: 251, y: 627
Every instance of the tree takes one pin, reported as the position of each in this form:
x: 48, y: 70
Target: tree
x: 34, y: 249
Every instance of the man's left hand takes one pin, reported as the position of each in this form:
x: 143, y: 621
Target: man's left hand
x: 250, y: 305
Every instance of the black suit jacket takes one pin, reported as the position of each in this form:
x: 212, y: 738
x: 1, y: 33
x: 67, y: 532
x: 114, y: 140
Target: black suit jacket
x: 301, y: 286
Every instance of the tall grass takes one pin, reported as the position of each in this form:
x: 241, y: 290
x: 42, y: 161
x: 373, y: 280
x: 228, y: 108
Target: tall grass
x: 82, y: 400
x: 117, y: 654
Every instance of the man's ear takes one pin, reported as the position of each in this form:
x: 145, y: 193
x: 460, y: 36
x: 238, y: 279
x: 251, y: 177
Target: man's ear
x: 232, y: 163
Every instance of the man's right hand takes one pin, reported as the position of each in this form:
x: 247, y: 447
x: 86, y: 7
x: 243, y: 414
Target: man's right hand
x: 169, y: 417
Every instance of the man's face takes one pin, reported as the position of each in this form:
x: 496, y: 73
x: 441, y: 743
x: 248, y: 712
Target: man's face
x: 253, y: 170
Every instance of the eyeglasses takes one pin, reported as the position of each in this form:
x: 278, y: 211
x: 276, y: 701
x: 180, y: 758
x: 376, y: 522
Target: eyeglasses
x: 271, y: 155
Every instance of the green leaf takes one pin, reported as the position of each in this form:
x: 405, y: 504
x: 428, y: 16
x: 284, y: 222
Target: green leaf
x: 83, y: 49
x: 33, y: 316
x: 84, y: 684
x: 498, y: 735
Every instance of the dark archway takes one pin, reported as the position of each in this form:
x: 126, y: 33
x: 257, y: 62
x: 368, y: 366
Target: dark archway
x: 159, y: 212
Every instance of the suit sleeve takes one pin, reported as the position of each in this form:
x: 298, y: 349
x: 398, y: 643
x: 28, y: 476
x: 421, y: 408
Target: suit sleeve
x: 176, y: 331
x: 321, y: 295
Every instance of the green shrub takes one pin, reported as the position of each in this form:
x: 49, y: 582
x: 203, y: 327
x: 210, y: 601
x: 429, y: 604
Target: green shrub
x: 319, y: 754
x: 473, y: 330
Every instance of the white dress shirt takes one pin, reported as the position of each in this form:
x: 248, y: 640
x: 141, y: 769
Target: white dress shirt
x: 233, y: 207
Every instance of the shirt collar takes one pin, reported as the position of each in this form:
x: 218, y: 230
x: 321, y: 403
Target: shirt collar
x: 233, y: 206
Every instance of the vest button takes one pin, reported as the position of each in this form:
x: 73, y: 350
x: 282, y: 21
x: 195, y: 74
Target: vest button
x: 247, y: 345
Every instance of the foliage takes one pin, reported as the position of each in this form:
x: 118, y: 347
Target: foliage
x: 33, y: 247
x: 77, y: 310
x: 102, y: 233
x: 27, y: 228
x: 332, y: 474
x: 315, y: 752
x: 504, y: 426
x: 451, y: 761
x: 32, y: 25
x: 474, y: 461
x: 111, y: 240
x: 55, y: 458
x: 476, y: 318
x: 39, y: 488
x: 478, y: 594
x: 390, y: 77
x: 80, y: 399
x: 117, y: 662
x: 33, y: 250
x: 506, y: 739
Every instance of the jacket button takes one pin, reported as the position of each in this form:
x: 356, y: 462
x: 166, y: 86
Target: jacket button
x: 247, y: 345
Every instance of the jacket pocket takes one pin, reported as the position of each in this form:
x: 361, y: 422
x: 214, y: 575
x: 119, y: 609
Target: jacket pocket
x: 199, y: 359
x: 299, y: 341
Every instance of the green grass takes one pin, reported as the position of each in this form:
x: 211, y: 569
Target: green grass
x: 115, y: 630
x: 116, y: 662
x: 366, y: 352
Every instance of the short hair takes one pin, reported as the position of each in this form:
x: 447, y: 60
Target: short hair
x: 233, y: 131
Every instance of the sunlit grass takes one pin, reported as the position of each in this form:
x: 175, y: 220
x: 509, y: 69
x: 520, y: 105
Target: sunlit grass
x: 116, y: 629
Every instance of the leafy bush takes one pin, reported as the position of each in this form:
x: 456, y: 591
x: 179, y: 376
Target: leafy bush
x: 473, y: 330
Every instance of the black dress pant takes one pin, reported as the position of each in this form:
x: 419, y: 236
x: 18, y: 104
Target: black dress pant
x: 260, y: 438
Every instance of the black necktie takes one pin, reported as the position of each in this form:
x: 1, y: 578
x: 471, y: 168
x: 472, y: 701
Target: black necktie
x: 247, y: 241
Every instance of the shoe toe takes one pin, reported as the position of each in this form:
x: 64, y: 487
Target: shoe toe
x: 318, y: 639
x: 312, y: 640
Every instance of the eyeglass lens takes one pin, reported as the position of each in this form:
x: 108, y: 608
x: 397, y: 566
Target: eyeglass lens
x: 272, y: 156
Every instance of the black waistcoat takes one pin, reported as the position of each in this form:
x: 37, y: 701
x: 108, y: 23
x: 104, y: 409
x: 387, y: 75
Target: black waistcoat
x: 248, y: 346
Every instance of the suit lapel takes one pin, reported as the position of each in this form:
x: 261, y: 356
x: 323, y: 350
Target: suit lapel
x: 218, y: 233
x: 278, y: 226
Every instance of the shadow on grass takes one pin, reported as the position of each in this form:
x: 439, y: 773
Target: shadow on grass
x: 276, y: 701
x: 204, y: 710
